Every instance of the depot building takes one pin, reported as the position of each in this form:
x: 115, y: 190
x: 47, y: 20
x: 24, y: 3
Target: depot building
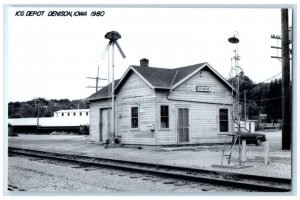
x: 160, y: 106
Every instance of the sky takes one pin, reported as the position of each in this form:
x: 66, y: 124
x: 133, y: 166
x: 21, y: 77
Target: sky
x: 51, y: 56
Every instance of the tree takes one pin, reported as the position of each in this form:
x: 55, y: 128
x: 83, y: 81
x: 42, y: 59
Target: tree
x: 258, y: 95
x: 273, y: 106
x: 253, y: 109
x: 46, y: 107
x: 26, y: 110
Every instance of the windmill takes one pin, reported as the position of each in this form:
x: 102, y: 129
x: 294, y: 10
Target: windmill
x: 113, y: 37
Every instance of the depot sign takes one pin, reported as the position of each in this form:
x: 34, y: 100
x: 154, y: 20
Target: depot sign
x: 203, y: 89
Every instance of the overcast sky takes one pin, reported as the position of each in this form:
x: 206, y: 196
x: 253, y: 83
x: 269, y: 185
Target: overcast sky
x: 51, y: 57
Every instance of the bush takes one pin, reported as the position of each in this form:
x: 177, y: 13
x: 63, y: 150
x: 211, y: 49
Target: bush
x: 13, y: 135
x: 84, y: 129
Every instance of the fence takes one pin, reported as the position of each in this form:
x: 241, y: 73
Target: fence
x: 270, y: 126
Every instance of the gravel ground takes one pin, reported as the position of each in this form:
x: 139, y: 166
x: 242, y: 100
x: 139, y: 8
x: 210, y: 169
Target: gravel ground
x: 36, y: 175
x: 203, y: 157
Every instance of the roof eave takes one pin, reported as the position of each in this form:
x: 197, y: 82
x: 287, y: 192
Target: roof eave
x: 124, y: 75
x: 197, y: 70
x: 100, y: 98
x: 137, y: 73
x: 221, y: 77
x: 165, y: 88
x: 189, y: 76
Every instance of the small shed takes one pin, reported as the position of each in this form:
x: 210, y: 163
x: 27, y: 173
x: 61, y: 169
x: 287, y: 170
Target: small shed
x: 249, y: 125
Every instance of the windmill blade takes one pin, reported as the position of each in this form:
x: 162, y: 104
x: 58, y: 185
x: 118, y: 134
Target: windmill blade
x: 118, y: 46
x: 105, y: 51
x: 91, y: 77
x: 94, y: 86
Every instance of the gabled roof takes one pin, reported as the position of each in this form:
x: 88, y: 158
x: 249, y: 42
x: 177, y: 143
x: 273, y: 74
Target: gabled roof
x: 159, y: 78
x: 163, y: 78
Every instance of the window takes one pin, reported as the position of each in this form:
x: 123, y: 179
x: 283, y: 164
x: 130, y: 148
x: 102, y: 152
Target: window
x: 87, y: 113
x: 223, y: 116
x: 80, y: 113
x: 74, y: 113
x: 68, y: 114
x: 164, y: 116
x: 62, y: 114
x: 134, y: 117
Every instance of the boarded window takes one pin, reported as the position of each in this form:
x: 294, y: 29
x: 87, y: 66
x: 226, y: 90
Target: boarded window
x: 223, y: 115
x: 164, y: 116
x: 134, y: 117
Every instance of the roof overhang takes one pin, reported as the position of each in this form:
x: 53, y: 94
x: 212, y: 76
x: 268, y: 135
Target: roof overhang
x: 137, y: 73
x: 200, y: 68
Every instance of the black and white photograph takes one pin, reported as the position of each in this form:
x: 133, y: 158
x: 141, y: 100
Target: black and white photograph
x: 149, y: 99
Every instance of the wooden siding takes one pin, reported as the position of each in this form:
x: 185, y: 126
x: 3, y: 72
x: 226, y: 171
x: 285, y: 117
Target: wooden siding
x: 203, y: 119
x: 95, y: 118
x: 135, y: 93
x: 187, y: 91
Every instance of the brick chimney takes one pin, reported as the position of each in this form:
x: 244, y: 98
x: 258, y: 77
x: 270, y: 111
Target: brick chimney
x: 144, y: 62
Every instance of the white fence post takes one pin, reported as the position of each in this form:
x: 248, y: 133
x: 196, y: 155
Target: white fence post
x: 267, y: 159
x: 244, y: 157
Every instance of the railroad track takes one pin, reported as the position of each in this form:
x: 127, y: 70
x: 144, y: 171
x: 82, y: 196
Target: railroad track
x: 14, y: 188
x: 243, y: 181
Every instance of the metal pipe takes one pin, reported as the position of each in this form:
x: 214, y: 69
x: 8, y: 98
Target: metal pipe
x: 113, y: 94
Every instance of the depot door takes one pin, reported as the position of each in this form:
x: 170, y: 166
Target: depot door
x: 183, y: 125
x: 105, y: 125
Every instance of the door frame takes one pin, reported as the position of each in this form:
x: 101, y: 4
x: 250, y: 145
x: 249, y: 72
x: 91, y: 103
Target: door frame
x: 100, y: 122
x: 177, y: 124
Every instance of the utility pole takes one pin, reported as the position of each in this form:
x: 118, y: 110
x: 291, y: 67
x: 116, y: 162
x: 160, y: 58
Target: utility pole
x: 286, y: 100
x: 97, y: 80
x: 38, y: 114
x: 245, y: 107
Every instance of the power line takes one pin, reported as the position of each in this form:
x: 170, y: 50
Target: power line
x: 264, y: 99
x: 269, y: 78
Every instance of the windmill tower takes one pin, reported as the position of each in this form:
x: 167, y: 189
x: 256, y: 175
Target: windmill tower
x: 113, y: 37
x: 237, y: 71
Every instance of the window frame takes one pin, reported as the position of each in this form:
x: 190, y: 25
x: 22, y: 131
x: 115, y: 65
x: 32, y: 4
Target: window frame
x: 222, y: 120
x: 138, y: 118
x: 160, y: 117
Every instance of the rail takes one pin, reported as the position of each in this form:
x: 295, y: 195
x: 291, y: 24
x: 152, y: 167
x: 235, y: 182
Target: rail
x: 250, y: 182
